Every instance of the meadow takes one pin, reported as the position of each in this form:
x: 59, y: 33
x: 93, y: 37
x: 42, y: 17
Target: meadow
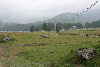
x: 28, y: 49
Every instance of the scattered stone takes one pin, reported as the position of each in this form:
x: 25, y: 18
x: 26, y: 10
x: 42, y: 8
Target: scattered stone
x: 92, y: 35
x: 73, y: 34
x: 65, y: 42
x: 6, y: 38
x: 71, y: 51
x: 65, y: 34
x: 6, y: 47
x: 28, y: 45
x: 86, y: 53
x: 60, y: 43
x: 52, y: 65
x: 42, y: 44
x: 35, y: 44
x: 87, y: 34
x: 56, y: 34
x: 82, y: 35
x: 51, y: 52
x: 44, y: 36
x: 98, y: 35
x: 2, y: 54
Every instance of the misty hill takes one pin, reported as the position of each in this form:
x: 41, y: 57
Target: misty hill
x: 15, y: 27
x: 84, y: 17
x: 0, y: 23
x: 89, y: 16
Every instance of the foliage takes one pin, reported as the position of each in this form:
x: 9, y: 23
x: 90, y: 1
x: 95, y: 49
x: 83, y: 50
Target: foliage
x: 44, y: 26
x: 37, y: 29
x: 48, y: 28
x: 93, y: 24
x: 57, y: 29
x: 31, y: 29
x: 16, y: 27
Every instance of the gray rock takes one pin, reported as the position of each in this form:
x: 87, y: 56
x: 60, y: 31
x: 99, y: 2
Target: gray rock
x: 87, y: 34
x: 6, y: 38
x: 82, y: 35
x: 44, y: 36
x: 86, y: 53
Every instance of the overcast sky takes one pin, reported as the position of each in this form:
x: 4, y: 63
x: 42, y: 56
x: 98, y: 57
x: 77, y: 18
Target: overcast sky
x: 12, y: 10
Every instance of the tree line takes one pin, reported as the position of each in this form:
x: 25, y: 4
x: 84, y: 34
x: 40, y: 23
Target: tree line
x: 59, y: 26
x: 94, y: 24
x: 51, y: 26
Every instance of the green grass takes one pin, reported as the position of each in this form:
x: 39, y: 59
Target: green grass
x: 57, y: 51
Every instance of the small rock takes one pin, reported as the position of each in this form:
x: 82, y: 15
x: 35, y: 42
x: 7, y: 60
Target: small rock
x: 60, y: 43
x: 6, y: 38
x: 44, y: 36
x: 65, y: 42
x: 51, y: 52
x: 87, y: 34
x: 96, y: 36
x: 86, y: 53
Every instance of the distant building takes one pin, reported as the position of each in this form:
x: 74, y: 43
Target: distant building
x: 63, y: 29
x: 68, y: 12
x: 97, y: 28
x: 42, y: 30
x: 91, y: 28
x: 74, y: 28
x: 83, y: 28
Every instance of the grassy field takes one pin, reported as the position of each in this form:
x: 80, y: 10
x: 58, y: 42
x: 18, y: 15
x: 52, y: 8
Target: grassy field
x: 28, y: 49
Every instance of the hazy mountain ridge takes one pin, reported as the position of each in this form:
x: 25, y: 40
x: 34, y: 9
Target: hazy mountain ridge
x: 86, y: 17
x: 63, y: 18
x: 16, y: 27
x: 89, y: 16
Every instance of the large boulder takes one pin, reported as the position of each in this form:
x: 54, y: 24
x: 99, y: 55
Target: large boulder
x: 82, y: 35
x: 86, y: 53
x: 73, y: 34
x: 6, y: 38
x: 87, y: 34
x: 44, y: 36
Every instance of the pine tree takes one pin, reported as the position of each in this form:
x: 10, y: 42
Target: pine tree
x: 36, y: 29
x: 48, y: 28
x: 31, y: 29
x: 44, y: 26
x: 57, y: 29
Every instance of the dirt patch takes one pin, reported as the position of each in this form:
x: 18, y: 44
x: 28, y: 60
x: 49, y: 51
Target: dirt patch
x: 33, y: 44
x: 43, y: 44
x: 36, y: 44
x: 1, y: 53
x: 6, y: 47
x: 73, y: 34
x: 1, y: 46
x: 28, y: 45
x: 98, y: 35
